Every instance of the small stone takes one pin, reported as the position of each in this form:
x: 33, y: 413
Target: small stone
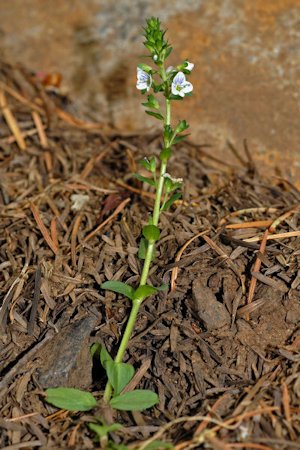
x: 66, y: 359
x: 212, y: 313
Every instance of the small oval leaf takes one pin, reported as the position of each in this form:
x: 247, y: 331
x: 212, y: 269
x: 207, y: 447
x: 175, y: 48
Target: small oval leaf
x: 151, y: 232
x: 119, y: 287
x: 70, y: 399
x: 136, y: 400
x: 105, y: 357
x: 143, y: 291
x: 119, y: 375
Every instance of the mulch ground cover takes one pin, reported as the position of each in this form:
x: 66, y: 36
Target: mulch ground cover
x: 221, y: 347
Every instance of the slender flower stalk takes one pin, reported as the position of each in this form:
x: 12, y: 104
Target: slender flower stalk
x: 172, y: 84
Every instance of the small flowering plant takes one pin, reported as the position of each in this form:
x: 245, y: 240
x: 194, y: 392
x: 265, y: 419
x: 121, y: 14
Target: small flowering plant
x: 172, y: 83
x: 158, y: 83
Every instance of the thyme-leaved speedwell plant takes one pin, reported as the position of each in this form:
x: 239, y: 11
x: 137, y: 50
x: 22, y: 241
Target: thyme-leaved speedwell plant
x: 162, y: 86
x: 172, y: 84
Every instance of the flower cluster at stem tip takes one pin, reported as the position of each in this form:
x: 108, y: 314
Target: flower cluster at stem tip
x: 173, y: 81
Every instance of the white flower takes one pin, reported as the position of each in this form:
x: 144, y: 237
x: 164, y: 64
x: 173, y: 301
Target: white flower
x: 180, y: 86
x: 189, y: 66
x: 144, y: 80
x: 155, y: 57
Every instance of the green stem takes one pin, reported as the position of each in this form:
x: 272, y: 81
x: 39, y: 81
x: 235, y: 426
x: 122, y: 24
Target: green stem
x: 124, y: 342
x: 148, y: 258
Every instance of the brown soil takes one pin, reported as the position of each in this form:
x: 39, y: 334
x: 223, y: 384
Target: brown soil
x: 221, y: 347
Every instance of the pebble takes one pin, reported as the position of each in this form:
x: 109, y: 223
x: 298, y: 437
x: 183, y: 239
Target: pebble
x: 210, y: 311
x: 66, y: 360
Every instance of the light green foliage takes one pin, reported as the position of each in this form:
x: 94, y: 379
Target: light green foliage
x: 70, y: 399
x: 151, y: 232
x: 102, y: 430
x: 155, y: 114
x: 144, y: 291
x: 119, y: 287
x: 152, y: 102
x: 144, y: 179
x: 119, y: 375
x: 136, y: 400
x: 149, y: 164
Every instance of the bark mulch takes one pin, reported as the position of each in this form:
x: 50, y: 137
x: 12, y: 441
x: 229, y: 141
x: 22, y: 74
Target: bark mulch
x: 221, y: 347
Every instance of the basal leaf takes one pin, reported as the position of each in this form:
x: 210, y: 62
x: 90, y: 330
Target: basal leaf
x: 95, y: 350
x: 103, y: 430
x: 119, y: 375
x: 70, y: 399
x: 136, y: 400
x: 105, y: 357
x: 119, y: 287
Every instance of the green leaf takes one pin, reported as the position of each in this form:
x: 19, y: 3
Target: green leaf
x: 171, y: 185
x: 180, y: 138
x: 152, y: 102
x: 158, y: 88
x: 151, y: 232
x: 70, y: 399
x: 149, y: 164
x: 136, y: 400
x: 154, y: 114
x: 95, y: 350
x: 152, y: 164
x: 119, y: 287
x: 162, y: 287
x: 158, y: 445
x: 165, y: 154
x: 171, y: 200
x: 182, y: 125
x: 144, y: 291
x: 105, y: 357
x: 144, y: 179
x: 103, y: 430
x: 168, y: 133
x: 142, y: 248
x: 119, y: 375
x: 167, y: 52
x: 145, y: 67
